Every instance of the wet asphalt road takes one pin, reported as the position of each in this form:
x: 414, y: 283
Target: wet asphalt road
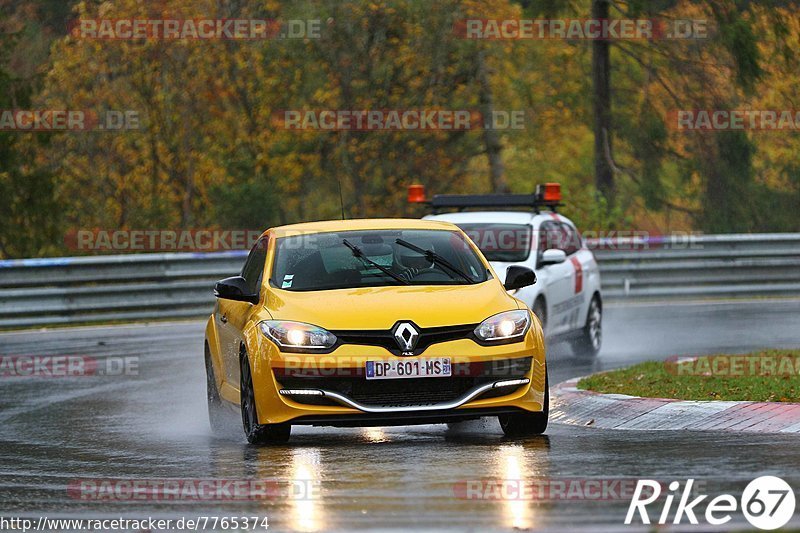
x: 56, y: 432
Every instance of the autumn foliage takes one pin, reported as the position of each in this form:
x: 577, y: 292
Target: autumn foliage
x: 208, y: 153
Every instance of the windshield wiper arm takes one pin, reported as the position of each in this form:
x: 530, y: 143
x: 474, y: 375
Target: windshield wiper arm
x: 433, y: 257
x: 360, y: 255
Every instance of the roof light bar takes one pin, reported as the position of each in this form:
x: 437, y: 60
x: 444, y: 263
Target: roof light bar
x: 416, y: 194
x: 546, y: 195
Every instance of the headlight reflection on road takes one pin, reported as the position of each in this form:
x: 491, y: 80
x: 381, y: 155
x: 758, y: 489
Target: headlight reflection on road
x: 374, y: 435
x: 306, y: 509
x: 512, y: 465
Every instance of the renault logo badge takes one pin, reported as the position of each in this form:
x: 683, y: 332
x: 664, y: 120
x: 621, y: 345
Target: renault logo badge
x: 406, y: 335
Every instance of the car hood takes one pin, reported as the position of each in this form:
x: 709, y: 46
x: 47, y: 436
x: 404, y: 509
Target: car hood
x: 380, y: 307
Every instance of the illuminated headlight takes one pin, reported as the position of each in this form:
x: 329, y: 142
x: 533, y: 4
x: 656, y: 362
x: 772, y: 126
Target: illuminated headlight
x: 297, y: 335
x: 504, y: 327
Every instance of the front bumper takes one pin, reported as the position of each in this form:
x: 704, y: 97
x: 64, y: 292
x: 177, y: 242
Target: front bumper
x: 330, y: 389
x: 403, y: 418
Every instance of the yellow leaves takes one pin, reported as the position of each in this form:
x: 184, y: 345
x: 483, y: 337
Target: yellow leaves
x: 209, y: 106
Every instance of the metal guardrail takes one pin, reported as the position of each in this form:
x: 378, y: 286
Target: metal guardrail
x: 39, y: 292
x: 109, y: 288
x: 705, y: 266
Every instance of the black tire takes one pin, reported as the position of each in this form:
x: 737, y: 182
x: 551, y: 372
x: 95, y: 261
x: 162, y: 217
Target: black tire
x: 257, y: 433
x: 587, y: 346
x: 216, y: 414
x: 540, y: 310
x: 528, y: 424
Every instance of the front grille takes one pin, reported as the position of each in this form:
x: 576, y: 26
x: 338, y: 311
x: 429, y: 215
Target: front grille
x: 385, y: 339
x: 410, y: 391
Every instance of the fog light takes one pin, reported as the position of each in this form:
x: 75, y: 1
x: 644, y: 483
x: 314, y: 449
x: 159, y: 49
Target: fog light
x: 511, y: 382
x: 302, y: 392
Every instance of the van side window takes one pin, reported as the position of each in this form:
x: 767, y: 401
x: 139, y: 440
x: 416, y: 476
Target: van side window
x: 572, y: 240
x: 550, y: 236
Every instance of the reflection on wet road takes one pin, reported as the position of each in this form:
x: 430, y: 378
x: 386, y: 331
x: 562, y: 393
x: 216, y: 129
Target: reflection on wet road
x: 62, y: 438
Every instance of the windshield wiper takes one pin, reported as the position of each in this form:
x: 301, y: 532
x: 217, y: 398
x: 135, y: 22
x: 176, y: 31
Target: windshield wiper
x: 433, y: 257
x: 360, y: 255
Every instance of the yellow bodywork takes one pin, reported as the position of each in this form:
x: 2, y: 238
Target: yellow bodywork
x: 372, y: 308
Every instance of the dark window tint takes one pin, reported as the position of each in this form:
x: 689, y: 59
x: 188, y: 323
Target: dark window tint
x: 551, y: 236
x: 572, y: 240
x: 254, y: 266
x: 509, y: 243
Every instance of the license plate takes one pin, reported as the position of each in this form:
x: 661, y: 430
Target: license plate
x: 438, y: 367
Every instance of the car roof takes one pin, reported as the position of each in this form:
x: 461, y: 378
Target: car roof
x: 501, y: 217
x: 364, y: 224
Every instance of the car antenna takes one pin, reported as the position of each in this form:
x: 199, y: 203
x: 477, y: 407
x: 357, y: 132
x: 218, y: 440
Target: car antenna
x: 341, y: 198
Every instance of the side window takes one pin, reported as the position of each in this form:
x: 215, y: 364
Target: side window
x: 550, y: 236
x: 254, y: 266
x: 572, y: 240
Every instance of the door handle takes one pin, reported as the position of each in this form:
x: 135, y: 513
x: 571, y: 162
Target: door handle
x: 223, y: 319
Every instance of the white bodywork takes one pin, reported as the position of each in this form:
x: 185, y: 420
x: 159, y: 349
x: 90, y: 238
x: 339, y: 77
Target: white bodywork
x: 566, y: 288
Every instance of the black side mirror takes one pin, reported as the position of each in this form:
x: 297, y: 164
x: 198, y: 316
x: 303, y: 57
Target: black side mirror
x: 234, y: 288
x: 518, y: 277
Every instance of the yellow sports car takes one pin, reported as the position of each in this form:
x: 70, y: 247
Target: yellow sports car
x: 373, y: 322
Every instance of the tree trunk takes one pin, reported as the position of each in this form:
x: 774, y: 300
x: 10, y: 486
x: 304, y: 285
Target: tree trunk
x: 491, y: 138
x: 601, y: 80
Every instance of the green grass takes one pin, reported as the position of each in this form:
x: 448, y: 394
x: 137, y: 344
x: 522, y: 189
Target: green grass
x: 768, y: 376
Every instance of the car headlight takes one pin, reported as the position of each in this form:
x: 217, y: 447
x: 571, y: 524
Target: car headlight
x: 297, y: 335
x: 510, y: 326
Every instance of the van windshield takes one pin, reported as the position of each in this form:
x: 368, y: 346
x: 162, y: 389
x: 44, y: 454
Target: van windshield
x: 510, y: 243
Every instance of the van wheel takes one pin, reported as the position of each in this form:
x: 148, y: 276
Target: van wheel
x: 540, y: 310
x: 257, y: 433
x: 587, y: 346
x: 528, y: 424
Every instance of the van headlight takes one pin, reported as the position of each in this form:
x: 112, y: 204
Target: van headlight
x: 502, y: 328
x: 297, y: 336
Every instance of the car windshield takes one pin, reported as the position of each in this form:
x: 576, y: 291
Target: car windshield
x: 351, y: 259
x: 508, y: 243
